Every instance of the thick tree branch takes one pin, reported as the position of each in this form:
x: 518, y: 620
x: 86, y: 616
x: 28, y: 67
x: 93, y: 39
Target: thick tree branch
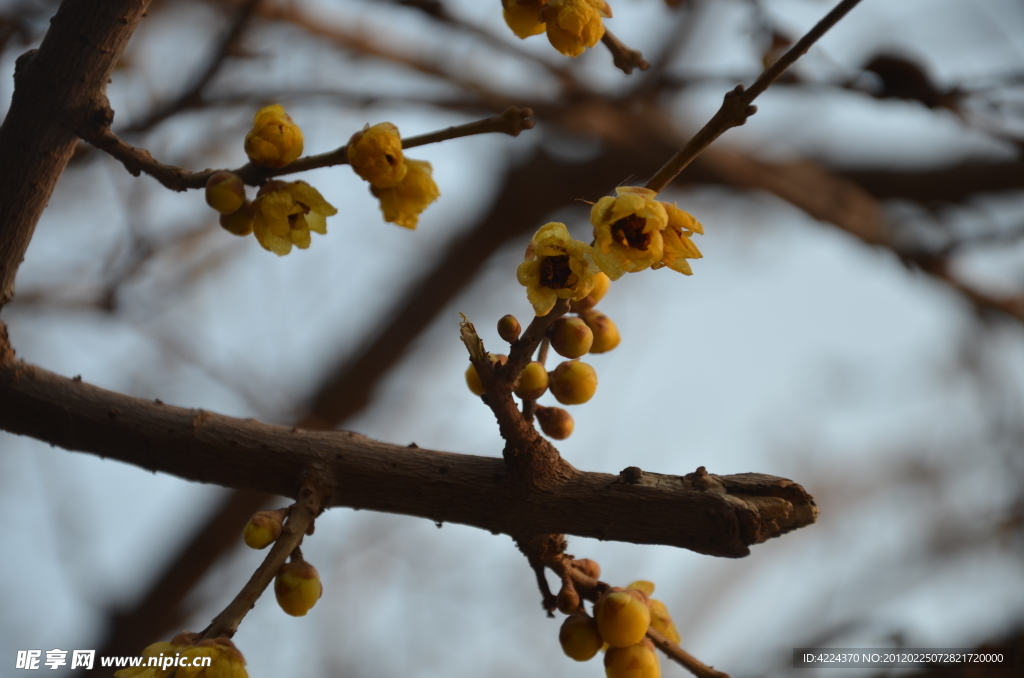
x: 56, y: 88
x: 721, y: 516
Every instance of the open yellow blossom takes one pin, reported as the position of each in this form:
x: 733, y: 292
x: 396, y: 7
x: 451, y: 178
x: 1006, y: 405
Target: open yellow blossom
x: 523, y: 16
x: 556, y: 267
x: 574, y: 25
x: 403, y: 204
x: 375, y: 154
x: 627, y: 231
x: 678, y: 246
x: 274, y: 140
x: 286, y: 212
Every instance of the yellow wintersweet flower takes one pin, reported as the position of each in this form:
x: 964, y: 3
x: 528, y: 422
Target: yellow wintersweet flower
x: 556, y: 267
x: 574, y: 25
x: 155, y: 650
x: 661, y: 620
x: 523, y: 16
x: 627, y: 231
x: 285, y: 213
x: 676, y: 236
x: 375, y: 154
x: 274, y: 140
x: 402, y: 204
x: 225, y: 660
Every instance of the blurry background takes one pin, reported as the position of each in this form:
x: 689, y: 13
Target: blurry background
x: 856, y: 325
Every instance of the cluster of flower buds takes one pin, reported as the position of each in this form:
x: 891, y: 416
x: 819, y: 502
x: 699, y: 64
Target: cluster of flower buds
x: 571, y: 25
x: 297, y: 585
x: 572, y: 382
x: 284, y: 213
x: 404, y: 186
x: 619, y: 625
x: 177, y: 656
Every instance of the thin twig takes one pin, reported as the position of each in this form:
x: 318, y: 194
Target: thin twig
x: 736, y: 107
x: 624, y: 57
x: 300, y: 517
x: 681, y: 656
x: 138, y: 160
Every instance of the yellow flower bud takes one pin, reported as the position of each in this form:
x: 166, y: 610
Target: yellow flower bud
x: 601, y: 285
x: 622, y: 618
x: 567, y: 600
x: 473, y: 379
x: 634, y: 661
x: 274, y: 140
x: 606, y: 334
x: 571, y: 337
x: 263, y: 529
x: 533, y: 381
x: 588, y: 567
x: 573, y: 382
x: 579, y: 637
x: 509, y: 328
x: 555, y: 422
x: 523, y: 16
x: 297, y: 587
x: 574, y: 25
x: 226, y: 660
x: 156, y: 650
x: 403, y: 203
x: 375, y: 154
x: 239, y: 222
x: 225, y: 192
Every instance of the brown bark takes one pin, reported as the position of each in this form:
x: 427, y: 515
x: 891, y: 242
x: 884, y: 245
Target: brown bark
x: 721, y: 516
x: 58, y: 89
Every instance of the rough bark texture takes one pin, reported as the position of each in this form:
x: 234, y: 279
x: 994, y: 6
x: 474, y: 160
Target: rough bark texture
x: 721, y: 516
x: 58, y: 89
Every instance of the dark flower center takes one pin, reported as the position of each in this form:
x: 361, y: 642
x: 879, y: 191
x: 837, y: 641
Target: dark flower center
x: 556, y: 274
x: 629, y: 232
x: 298, y: 220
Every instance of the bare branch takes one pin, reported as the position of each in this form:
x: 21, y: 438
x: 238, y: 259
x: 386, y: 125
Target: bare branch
x: 682, y: 657
x: 55, y: 86
x: 138, y: 160
x: 624, y: 57
x: 720, y: 516
x: 736, y: 107
x: 300, y: 518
